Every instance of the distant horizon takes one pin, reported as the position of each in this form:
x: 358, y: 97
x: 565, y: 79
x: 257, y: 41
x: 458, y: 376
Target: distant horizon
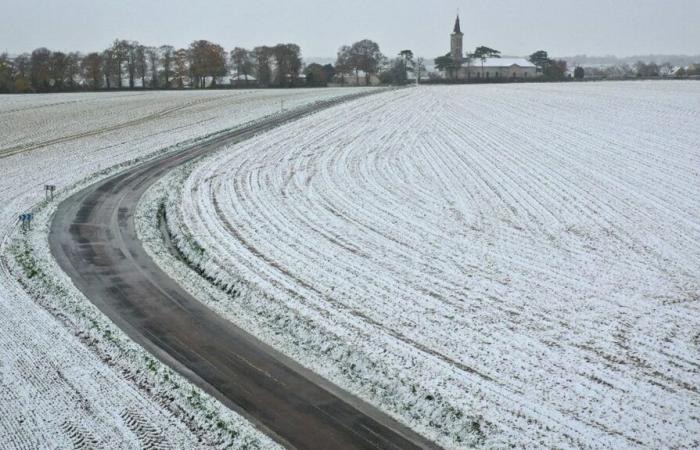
x: 561, y: 27
x: 655, y: 55
x: 319, y: 58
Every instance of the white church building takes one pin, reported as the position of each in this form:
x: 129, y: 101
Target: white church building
x: 486, y: 69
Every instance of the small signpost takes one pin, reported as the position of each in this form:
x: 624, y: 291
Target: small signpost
x: 49, y: 189
x: 26, y: 220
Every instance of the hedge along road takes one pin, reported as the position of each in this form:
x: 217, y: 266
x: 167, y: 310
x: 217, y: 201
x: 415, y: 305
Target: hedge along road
x: 93, y: 238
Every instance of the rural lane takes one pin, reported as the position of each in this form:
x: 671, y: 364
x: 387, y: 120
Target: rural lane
x: 94, y: 240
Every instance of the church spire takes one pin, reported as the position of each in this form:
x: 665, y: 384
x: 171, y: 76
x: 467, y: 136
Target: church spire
x: 457, y: 42
x: 458, y: 29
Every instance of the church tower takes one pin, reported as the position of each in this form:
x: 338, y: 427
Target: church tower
x: 457, y: 42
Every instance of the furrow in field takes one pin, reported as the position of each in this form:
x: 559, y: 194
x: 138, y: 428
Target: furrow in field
x: 532, y: 249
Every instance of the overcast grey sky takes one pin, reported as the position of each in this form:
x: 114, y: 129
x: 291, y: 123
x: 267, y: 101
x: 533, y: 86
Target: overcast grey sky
x: 516, y: 27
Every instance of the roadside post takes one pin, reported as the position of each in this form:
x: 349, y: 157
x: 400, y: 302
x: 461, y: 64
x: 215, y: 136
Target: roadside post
x: 49, y: 189
x: 26, y: 221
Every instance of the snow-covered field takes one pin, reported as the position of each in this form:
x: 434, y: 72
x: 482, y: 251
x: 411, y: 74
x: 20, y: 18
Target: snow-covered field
x: 494, y: 265
x: 68, y: 377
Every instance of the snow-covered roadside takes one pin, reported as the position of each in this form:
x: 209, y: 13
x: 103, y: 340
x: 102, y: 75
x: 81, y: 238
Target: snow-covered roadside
x: 357, y: 366
x: 187, y: 416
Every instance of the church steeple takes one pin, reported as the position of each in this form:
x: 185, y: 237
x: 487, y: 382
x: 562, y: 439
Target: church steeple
x: 456, y: 43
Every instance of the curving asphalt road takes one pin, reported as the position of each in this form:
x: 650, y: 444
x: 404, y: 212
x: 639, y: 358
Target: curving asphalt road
x: 93, y: 237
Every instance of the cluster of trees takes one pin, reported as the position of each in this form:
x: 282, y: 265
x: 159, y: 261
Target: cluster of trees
x: 319, y: 75
x: 43, y: 69
x: 551, y: 69
x: 397, y: 71
x: 647, y: 70
x: 364, y: 57
x: 279, y: 65
x: 641, y: 69
x: 128, y: 63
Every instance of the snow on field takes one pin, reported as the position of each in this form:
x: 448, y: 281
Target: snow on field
x: 491, y: 264
x: 68, y: 377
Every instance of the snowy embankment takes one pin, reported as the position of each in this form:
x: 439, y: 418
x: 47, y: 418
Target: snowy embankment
x: 492, y: 265
x: 68, y: 377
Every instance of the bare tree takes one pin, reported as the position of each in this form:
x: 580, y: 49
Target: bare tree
x: 263, y: 58
x: 72, y: 69
x: 120, y: 54
x: 153, y: 57
x: 181, y: 67
x: 7, y: 73
x: 243, y: 62
x: 131, y: 51
x: 92, y: 69
x: 22, y: 65
x: 57, y: 70
x: 407, y: 59
x: 288, y: 63
x: 110, y: 67
x: 40, y: 75
x: 167, y: 61
x: 366, y: 57
x: 206, y: 60
x: 344, y: 63
x: 141, y: 64
x: 419, y: 68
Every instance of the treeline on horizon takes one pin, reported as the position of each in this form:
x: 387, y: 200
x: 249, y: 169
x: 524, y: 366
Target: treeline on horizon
x: 613, y: 60
x: 204, y: 64
x: 129, y: 64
